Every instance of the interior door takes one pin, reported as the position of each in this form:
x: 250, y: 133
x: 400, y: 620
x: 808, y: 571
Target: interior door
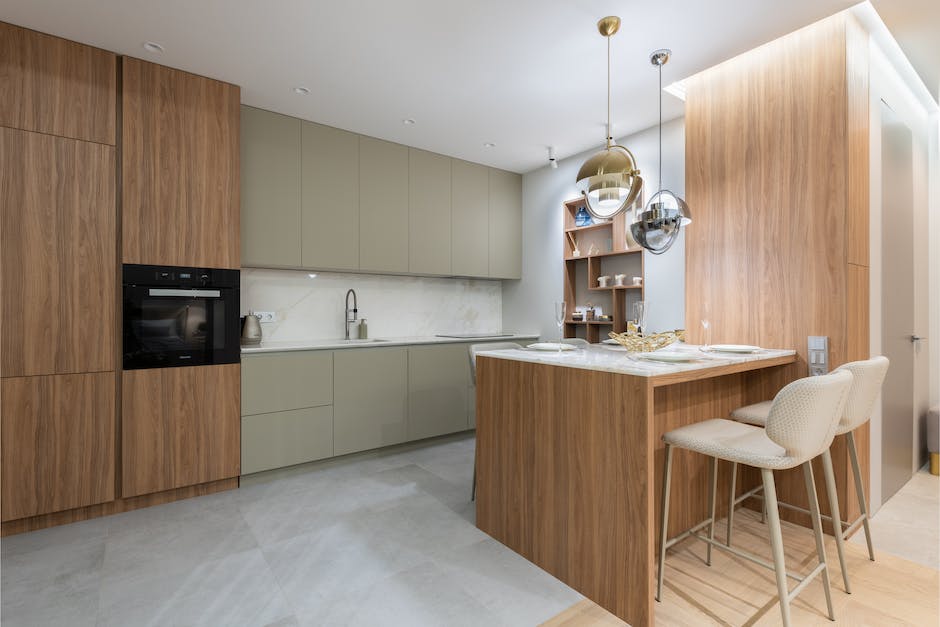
x: 897, y: 439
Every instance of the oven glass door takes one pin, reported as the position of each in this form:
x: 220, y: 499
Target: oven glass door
x: 167, y: 327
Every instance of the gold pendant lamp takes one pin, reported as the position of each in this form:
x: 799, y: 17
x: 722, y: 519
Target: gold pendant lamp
x: 609, y: 181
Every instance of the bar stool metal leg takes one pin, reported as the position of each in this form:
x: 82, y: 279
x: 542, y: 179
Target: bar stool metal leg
x: 818, y: 533
x: 860, y: 491
x: 776, y: 543
x: 836, y: 515
x: 664, y: 526
x: 473, y: 490
x: 734, y: 478
x: 712, y: 499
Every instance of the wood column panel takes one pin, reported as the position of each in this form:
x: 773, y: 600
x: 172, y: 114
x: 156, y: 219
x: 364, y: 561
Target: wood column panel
x: 57, y: 250
x: 57, y: 87
x: 180, y: 165
x: 57, y: 443
x: 179, y: 427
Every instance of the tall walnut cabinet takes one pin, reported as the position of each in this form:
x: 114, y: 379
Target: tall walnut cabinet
x: 58, y: 269
x: 62, y: 242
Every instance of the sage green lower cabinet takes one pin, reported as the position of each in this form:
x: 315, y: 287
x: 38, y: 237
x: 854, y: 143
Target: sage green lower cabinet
x: 286, y: 438
x: 370, y: 398
x: 291, y: 380
x: 437, y: 390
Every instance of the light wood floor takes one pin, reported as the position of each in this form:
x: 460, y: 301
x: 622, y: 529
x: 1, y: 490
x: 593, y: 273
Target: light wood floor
x: 733, y: 591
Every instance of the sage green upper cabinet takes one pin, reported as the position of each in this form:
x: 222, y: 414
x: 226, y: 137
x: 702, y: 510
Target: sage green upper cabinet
x: 383, y: 206
x: 470, y: 244
x: 330, y: 198
x: 505, y: 225
x: 270, y: 189
x: 429, y: 212
x: 370, y: 398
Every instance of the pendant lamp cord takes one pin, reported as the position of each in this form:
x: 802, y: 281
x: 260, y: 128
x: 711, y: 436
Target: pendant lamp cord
x: 609, y: 139
x: 660, y: 126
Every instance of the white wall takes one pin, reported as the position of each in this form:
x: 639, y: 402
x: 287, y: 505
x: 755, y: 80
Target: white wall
x: 395, y: 306
x: 887, y: 84
x: 528, y: 303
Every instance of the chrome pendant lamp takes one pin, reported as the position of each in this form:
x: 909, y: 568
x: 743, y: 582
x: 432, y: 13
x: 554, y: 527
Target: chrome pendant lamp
x: 609, y: 180
x: 657, y: 227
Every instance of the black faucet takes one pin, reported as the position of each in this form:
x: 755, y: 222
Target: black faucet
x: 351, y: 314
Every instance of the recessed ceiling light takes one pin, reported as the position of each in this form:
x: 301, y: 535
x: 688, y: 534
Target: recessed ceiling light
x: 312, y: 275
x: 302, y: 91
x: 408, y: 121
x: 152, y: 46
x: 489, y: 145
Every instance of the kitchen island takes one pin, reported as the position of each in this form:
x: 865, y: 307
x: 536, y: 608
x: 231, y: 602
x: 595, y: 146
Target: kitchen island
x: 569, y: 458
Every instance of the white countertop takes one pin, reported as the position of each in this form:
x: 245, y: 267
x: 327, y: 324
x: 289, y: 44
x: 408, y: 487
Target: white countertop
x: 275, y: 346
x: 609, y: 358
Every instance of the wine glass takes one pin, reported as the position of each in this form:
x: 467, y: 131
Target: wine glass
x: 706, y: 333
x: 639, y: 316
x: 560, y: 310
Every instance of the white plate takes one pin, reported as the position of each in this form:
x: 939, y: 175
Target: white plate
x: 617, y: 347
x: 670, y: 357
x: 734, y: 348
x: 611, y: 340
x: 551, y: 346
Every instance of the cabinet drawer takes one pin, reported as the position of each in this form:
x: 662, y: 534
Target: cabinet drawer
x: 286, y: 438
x: 283, y: 381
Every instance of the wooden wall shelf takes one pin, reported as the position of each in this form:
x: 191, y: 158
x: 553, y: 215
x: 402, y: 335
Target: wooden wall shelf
x: 612, y: 236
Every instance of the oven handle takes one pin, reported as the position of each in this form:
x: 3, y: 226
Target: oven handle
x: 159, y: 291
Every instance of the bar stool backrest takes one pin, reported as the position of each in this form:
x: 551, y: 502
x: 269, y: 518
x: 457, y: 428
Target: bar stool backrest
x: 479, y: 348
x: 868, y: 377
x: 805, y: 414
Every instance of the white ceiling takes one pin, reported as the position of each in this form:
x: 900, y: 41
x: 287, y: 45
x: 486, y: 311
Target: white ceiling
x: 523, y: 74
x: 915, y: 24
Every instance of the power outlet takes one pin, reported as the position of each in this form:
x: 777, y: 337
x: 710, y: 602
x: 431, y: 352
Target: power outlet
x: 818, y: 346
x: 266, y: 316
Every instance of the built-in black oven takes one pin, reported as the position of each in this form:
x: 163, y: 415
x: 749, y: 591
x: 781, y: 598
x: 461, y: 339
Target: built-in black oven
x: 177, y: 316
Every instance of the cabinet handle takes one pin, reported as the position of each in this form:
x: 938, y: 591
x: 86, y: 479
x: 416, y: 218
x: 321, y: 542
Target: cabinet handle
x: 161, y: 291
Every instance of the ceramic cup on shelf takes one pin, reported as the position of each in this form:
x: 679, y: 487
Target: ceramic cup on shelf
x: 637, y: 281
x: 602, y: 281
x: 618, y: 280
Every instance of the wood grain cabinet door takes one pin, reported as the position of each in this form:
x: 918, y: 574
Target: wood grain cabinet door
x: 57, y: 87
x: 57, y: 250
x: 180, y: 166
x: 179, y: 427
x: 57, y: 443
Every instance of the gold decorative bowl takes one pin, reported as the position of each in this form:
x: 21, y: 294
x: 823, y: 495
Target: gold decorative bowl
x: 636, y: 343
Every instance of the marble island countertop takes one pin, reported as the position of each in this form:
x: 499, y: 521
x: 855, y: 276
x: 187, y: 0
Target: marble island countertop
x: 274, y: 346
x: 610, y: 358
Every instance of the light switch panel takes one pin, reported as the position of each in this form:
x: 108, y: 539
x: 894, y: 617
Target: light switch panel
x: 818, y: 355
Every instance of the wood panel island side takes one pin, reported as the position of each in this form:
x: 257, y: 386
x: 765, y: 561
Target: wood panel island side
x: 569, y: 459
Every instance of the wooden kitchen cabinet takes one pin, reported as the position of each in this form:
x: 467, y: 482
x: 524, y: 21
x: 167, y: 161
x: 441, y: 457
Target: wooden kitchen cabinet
x: 270, y: 189
x: 56, y: 87
x: 286, y: 438
x: 330, y: 198
x: 370, y: 398
x: 429, y: 212
x: 505, y: 225
x: 437, y: 390
x: 470, y: 244
x: 179, y: 427
x: 57, y: 443
x: 383, y: 206
x: 180, y: 168
x: 290, y: 380
x: 57, y: 250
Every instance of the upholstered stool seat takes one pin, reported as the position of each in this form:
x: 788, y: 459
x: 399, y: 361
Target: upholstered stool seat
x: 755, y: 414
x: 733, y: 442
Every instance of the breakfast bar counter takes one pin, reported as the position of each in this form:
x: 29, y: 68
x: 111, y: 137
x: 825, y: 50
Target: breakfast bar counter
x: 569, y: 457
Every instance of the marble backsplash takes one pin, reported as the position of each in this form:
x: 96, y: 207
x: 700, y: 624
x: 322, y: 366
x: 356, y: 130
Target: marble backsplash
x: 312, y: 308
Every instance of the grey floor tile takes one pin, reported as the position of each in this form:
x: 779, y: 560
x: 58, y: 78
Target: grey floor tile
x: 236, y: 590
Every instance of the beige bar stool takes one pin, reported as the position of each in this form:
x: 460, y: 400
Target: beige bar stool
x: 800, y: 425
x: 474, y: 349
x: 868, y: 377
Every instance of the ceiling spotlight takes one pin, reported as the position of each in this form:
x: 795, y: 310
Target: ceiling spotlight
x: 302, y: 91
x: 408, y: 121
x: 489, y: 145
x: 552, y: 161
x: 152, y: 46
x: 312, y: 275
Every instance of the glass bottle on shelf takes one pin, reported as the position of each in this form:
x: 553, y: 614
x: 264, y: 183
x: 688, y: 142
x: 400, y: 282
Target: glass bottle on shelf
x: 583, y: 218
